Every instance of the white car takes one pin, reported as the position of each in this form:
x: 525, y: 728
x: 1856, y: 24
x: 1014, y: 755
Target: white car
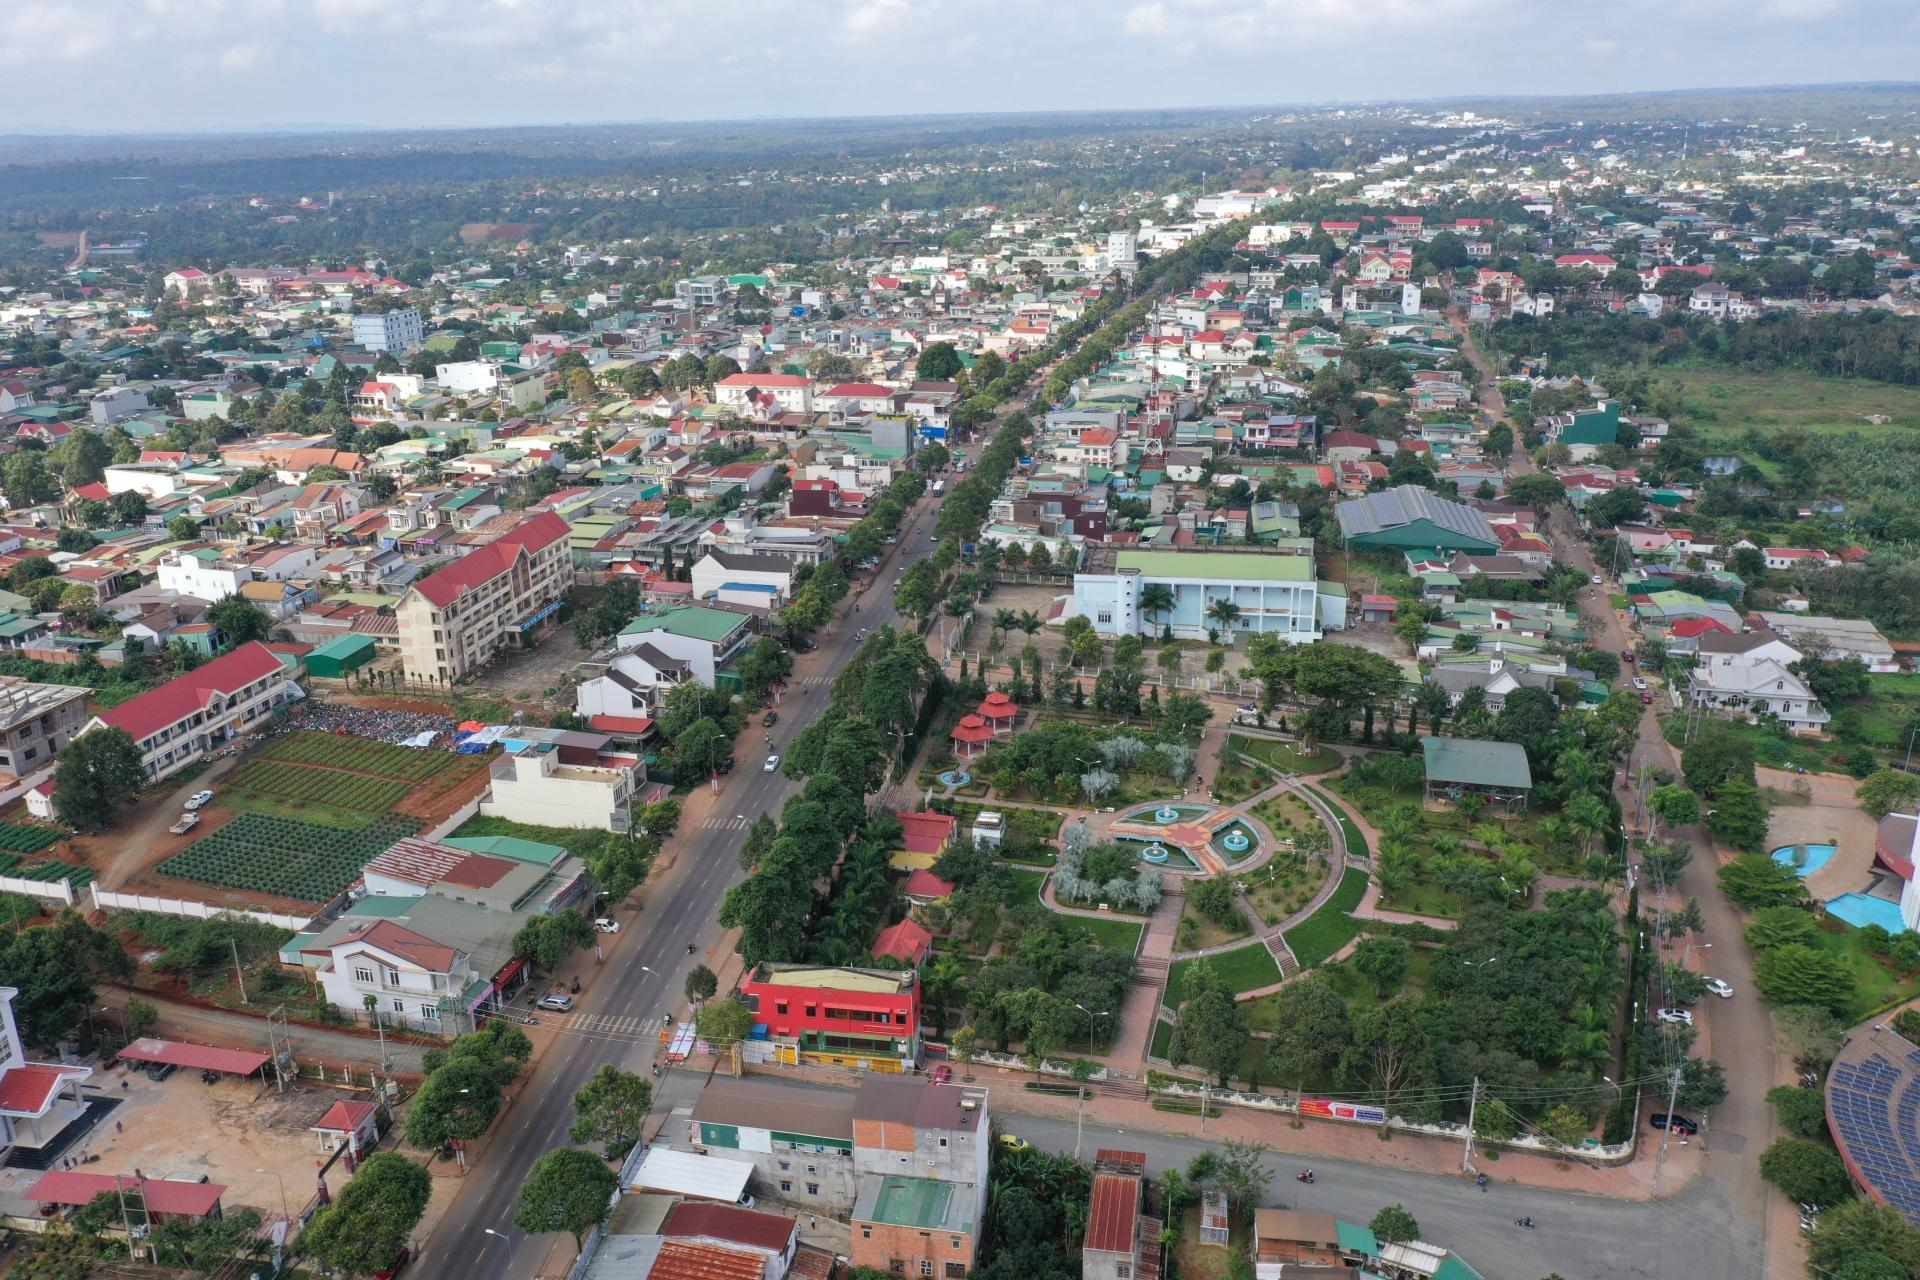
x: 1683, y: 1017
x: 1638, y: 683
x: 773, y: 762
x: 558, y: 1002
x: 606, y: 924
x: 198, y: 800
x: 1597, y: 580
x: 1720, y: 988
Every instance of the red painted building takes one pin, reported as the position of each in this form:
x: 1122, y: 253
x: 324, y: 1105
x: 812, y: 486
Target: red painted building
x: 839, y: 1015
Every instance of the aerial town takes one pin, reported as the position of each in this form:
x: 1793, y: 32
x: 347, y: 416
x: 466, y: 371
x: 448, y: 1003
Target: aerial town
x: 1344, y: 710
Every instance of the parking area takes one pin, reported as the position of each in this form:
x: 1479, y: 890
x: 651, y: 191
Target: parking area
x: 250, y: 1138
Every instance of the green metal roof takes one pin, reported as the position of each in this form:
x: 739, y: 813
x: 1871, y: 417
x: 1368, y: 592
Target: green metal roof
x: 1221, y: 566
x: 384, y: 905
x: 1355, y: 1238
x: 913, y: 1202
x: 1477, y: 763
x: 693, y: 620
x: 343, y: 648
x: 509, y: 847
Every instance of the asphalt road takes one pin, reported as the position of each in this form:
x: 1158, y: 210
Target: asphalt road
x: 1579, y: 1237
x: 617, y: 1020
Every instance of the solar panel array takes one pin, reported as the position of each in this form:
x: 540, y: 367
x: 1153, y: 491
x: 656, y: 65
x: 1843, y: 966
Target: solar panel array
x: 1876, y: 1106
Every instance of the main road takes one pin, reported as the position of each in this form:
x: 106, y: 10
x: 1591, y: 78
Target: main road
x: 647, y: 964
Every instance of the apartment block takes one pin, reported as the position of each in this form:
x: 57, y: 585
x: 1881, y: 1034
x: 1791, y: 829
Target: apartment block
x: 863, y: 1018
x: 453, y: 620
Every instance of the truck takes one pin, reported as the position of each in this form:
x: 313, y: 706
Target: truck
x: 185, y: 823
x: 939, y: 487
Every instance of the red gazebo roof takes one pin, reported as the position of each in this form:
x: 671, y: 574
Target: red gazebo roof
x: 998, y: 706
x: 972, y: 729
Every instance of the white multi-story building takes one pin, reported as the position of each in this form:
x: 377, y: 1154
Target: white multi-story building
x: 396, y: 331
x: 453, y: 620
x: 203, y: 575
x: 1269, y: 592
x: 1123, y: 248
x: 406, y: 974
x: 743, y: 392
x: 190, y: 715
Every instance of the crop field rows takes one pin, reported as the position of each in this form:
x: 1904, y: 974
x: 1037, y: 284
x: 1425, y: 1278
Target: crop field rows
x: 289, y: 780
x: 361, y: 755
x: 285, y: 858
x: 21, y: 838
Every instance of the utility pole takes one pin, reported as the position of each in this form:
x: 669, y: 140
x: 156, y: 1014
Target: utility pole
x: 239, y: 975
x: 1473, y: 1105
x: 1673, y: 1097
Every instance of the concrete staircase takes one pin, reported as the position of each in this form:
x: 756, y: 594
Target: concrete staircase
x: 1276, y: 944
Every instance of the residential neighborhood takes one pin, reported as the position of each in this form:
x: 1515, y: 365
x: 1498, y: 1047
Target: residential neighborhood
x: 1014, y: 703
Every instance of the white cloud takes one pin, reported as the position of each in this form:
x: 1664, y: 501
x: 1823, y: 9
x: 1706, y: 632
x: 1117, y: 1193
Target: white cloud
x: 243, y: 57
x: 1600, y: 47
x: 1147, y: 19
x: 871, y: 19
x: 59, y: 32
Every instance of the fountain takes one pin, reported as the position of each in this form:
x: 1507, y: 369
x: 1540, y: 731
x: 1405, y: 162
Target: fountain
x: 1166, y: 813
x: 1154, y: 853
x: 955, y: 778
x: 1236, y: 841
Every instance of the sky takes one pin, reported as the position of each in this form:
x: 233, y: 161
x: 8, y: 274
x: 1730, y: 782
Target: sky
x: 233, y: 65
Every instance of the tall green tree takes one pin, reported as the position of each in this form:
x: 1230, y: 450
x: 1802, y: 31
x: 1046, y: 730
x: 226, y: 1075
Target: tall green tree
x: 367, y: 1224
x: 98, y: 773
x: 239, y: 619
x: 612, y: 1105
x: 567, y: 1190
x: 1209, y: 1031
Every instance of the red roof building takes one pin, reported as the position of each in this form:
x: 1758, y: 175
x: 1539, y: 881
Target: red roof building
x: 999, y: 711
x: 730, y: 1227
x: 1691, y: 628
x: 971, y: 736
x: 164, y: 1197
x: 1114, y: 1214
x: 926, y: 831
x: 183, y: 719
x: 453, y: 621
x: 906, y: 942
x: 348, y: 1124
x: 924, y: 886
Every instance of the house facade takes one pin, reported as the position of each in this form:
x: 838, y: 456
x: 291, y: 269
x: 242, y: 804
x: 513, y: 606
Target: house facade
x: 1271, y: 593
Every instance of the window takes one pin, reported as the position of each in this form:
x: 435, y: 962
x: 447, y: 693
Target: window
x: 956, y: 1269
x: 926, y: 1266
x: 866, y: 1233
x: 953, y: 1242
x: 362, y: 974
x: 785, y: 1165
x: 786, y: 1184
x: 813, y: 1188
x: 779, y: 1006
x: 943, y: 1142
x: 1122, y: 1270
x: 1104, y: 616
x: 430, y: 1012
x: 898, y: 1267
x: 399, y: 1005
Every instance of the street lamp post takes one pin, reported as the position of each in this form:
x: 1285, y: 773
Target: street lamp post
x: 1688, y: 953
x: 501, y: 1235
x: 1080, y: 1104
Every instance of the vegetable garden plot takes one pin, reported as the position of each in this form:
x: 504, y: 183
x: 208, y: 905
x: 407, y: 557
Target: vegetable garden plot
x: 26, y: 839
x: 285, y: 858
x: 343, y: 752
x: 291, y: 781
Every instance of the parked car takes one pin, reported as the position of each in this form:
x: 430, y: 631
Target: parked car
x: 746, y: 1200
x: 1638, y: 683
x: 555, y: 1002
x: 723, y: 765
x: 400, y: 1260
x: 198, y: 800
x: 1683, y: 1017
x: 159, y: 1071
x: 1720, y: 988
x: 773, y: 762
x: 1673, y: 1121
x: 1629, y: 656
x: 1597, y: 580
x: 1646, y: 699
x: 942, y: 1074
x: 607, y: 924
x: 770, y: 719
x: 185, y: 823
x: 1014, y: 1142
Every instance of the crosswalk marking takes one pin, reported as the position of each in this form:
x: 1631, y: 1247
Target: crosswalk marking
x: 726, y: 824
x: 606, y: 1024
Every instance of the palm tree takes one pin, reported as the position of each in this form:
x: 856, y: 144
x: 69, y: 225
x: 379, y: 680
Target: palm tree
x: 1003, y: 620
x: 1030, y: 622
x: 1587, y: 815
x: 1225, y: 612
x: 1156, y: 599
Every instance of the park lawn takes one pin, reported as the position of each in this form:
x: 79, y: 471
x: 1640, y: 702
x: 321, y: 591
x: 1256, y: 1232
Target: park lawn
x: 1424, y: 898
x: 1875, y: 987
x: 1113, y: 935
x: 1356, y: 841
x: 1205, y: 931
x: 1026, y: 884
x: 1286, y: 756
x: 1331, y: 927
x: 1242, y: 969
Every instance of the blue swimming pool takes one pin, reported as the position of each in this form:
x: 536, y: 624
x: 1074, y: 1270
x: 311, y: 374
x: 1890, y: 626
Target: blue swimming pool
x: 1804, y: 858
x: 1861, y: 910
